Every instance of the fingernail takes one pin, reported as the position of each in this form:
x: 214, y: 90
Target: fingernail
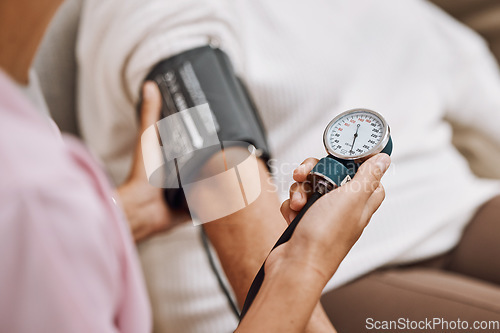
x: 297, y: 197
x: 301, y: 169
x: 383, y: 162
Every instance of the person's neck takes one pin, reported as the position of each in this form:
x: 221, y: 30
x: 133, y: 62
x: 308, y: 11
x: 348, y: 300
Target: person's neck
x: 22, y: 25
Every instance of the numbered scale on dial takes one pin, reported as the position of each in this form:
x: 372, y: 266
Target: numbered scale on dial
x: 356, y: 135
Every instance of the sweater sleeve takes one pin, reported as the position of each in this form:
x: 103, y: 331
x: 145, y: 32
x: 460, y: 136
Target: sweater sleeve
x: 119, y: 42
x: 475, y: 89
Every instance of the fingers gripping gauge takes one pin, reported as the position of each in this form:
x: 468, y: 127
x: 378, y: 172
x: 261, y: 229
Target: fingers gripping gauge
x: 350, y: 138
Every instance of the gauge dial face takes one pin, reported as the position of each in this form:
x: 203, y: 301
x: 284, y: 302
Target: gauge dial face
x: 355, y: 134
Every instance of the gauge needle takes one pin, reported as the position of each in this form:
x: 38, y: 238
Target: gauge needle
x: 354, y: 140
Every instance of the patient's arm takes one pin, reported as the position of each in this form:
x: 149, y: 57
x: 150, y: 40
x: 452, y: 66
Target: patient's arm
x: 243, y: 241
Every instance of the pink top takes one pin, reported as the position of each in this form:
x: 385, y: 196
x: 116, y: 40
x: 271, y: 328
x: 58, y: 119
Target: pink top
x: 67, y: 260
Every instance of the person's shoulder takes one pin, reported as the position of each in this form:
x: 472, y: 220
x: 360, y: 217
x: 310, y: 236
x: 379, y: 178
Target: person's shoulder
x: 41, y: 172
x: 28, y: 147
x: 46, y: 188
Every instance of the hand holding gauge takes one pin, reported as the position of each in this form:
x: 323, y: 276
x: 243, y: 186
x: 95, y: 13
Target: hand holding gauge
x: 350, y: 139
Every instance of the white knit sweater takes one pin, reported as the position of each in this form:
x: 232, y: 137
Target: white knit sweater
x: 304, y: 62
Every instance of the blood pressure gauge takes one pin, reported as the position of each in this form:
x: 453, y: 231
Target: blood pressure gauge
x: 356, y: 135
x: 350, y: 138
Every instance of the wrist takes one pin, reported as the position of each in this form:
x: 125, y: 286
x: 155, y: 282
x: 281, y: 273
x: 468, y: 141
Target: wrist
x: 323, y: 262
x: 289, y: 291
x: 285, y: 266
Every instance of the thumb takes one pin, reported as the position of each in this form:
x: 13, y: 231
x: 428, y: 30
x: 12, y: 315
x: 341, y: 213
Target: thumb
x: 151, y: 105
x: 368, y: 177
x: 150, y: 114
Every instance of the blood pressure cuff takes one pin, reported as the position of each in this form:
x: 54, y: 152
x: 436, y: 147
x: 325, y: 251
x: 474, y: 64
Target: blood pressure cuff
x: 206, y: 109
